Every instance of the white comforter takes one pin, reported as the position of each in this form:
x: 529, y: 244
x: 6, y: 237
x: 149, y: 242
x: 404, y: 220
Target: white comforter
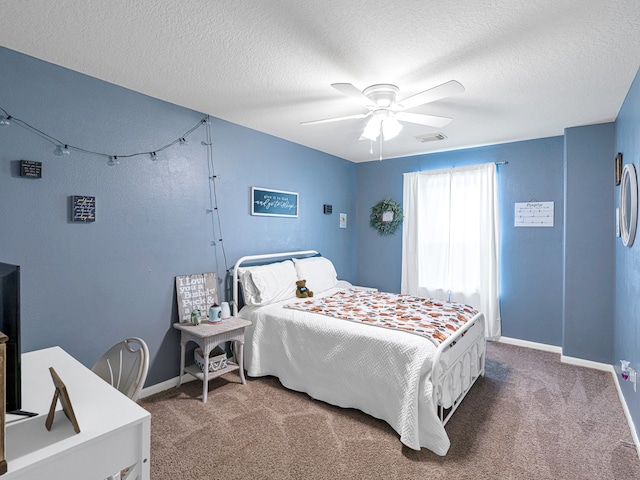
x: 385, y: 373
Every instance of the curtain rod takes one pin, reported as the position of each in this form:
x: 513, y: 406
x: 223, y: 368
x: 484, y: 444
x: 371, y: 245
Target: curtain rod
x: 495, y: 163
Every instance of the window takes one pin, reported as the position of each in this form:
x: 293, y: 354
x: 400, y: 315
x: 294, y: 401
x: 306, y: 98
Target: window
x: 450, y: 245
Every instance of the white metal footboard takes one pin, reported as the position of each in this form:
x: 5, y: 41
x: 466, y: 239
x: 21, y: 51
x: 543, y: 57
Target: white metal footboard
x: 440, y: 375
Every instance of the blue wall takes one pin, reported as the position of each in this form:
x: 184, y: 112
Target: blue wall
x: 531, y: 268
x: 589, y: 243
x: 627, y: 260
x: 86, y: 286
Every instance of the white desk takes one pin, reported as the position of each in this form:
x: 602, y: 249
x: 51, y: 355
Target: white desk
x: 114, y: 433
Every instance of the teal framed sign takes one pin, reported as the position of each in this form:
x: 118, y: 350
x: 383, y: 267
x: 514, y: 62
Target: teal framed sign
x: 273, y: 203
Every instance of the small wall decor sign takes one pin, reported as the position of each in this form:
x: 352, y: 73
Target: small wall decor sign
x: 30, y: 169
x: 273, y: 203
x: 618, y: 168
x: 83, y: 209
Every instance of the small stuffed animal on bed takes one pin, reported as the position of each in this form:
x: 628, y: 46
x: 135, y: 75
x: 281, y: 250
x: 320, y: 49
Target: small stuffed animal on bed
x: 302, y: 291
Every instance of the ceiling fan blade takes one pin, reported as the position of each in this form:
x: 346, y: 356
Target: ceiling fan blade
x: 351, y: 91
x: 447, y: 89
x: 336, y: 119
x: 423, y: 119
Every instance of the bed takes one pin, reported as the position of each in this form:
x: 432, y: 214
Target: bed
x: 406, y: 379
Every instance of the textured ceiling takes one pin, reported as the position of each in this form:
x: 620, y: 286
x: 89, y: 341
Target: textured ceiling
x: 530, y: 68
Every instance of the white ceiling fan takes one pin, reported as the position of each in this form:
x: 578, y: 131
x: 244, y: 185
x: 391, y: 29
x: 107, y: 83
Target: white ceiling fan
x: 386, y: 112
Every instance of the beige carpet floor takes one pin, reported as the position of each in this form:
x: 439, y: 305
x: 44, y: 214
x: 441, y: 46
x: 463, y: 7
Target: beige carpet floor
x: 530, y: 417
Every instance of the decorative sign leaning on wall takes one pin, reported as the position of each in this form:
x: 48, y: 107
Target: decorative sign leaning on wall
x: 534, y: 214
x: 198, y: 290
x: 273, y: 203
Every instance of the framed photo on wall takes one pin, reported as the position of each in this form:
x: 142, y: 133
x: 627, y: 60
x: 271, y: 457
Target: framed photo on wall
x: 273, y: 203
x: 618, y: 167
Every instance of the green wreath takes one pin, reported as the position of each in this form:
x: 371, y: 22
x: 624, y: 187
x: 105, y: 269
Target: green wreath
x: 386, y: 216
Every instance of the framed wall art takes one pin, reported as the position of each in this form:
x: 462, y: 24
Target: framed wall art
x: 273, y: 203
x: 83, y: 209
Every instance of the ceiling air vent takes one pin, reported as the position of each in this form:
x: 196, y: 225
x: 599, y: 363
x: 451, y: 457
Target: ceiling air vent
x: 431, y: 137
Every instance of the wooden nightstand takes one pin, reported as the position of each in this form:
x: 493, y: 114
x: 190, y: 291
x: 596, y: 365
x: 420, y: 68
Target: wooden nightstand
x: 207, y: 336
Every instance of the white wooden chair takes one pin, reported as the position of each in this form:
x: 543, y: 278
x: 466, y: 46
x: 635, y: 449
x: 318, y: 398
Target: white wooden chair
x: 125, y: 366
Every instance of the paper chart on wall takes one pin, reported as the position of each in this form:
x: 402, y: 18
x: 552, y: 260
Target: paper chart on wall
x: 534, y: 214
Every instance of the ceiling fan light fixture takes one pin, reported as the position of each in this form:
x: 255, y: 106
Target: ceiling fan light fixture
x: 387, y: 113
x: 381, y: 122
x: 391, y: 127
x: 372, y: 129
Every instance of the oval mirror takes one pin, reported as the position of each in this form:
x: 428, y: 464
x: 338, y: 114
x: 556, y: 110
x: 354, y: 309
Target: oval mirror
x: 628, y: 205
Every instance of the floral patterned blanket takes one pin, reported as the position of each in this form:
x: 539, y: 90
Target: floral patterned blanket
x: 432, y: 319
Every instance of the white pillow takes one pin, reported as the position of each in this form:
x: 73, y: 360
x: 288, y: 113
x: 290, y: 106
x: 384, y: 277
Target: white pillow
x: 266, y: 284
x: 249, y: 292
x: 319, y: 273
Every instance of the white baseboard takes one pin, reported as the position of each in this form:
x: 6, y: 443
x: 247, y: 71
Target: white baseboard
x: 536, y: 346
x: 555, y: 349
x: 587, y: 363
x: 582, y: 363
x: 627, y: 413
x: 166, y: 385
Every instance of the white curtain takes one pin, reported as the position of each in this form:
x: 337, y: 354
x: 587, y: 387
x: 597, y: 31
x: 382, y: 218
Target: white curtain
x: 451, y: 238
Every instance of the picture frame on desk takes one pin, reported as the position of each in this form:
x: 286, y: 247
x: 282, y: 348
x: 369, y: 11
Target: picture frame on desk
x: 61, y: 393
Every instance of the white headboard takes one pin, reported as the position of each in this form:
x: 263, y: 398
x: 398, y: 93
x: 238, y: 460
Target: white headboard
x: 260, y: 258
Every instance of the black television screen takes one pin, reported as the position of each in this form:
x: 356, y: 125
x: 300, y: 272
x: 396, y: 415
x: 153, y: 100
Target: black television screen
x: 10, y: 326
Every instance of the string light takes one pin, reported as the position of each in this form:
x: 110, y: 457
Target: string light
x: 213, y: 195
x: 113, y: 160
x: 6, y: 120
x: 60, y: 151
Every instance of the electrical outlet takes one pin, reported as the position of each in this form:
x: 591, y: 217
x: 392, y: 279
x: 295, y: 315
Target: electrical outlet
x: 628, y: 374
